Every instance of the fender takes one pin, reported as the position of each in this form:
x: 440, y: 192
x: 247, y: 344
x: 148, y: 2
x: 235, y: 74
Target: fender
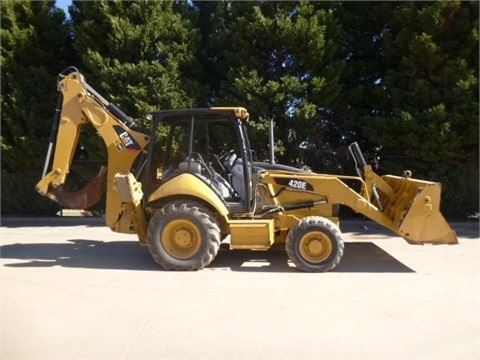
x: 188, y: 184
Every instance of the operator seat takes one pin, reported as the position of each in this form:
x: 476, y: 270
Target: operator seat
x: 212, y: 178
x: 195, y: 167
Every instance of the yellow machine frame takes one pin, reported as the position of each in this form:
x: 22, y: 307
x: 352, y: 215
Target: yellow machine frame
x: 281, y: 201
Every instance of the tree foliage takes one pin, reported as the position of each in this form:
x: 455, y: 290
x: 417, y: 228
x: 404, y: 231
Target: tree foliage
x: 34, y: 42
x: 141, y: 53
x: 282, y: 60
x: 430, y: 83
x: 397, y: 76
x: 34, y: 45
x: 430, y: 91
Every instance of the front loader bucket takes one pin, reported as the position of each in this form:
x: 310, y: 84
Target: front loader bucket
x: 414, y: 207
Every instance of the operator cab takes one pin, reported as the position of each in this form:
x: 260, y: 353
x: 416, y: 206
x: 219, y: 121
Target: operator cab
x: 211, y: 144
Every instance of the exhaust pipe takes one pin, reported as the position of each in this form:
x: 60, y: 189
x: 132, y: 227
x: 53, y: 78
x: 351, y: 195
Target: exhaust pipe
x: 271, y: 141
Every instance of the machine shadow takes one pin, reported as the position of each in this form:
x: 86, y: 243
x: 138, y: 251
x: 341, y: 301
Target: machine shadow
x: 80, y: 253
x: 361, y: 257
x: 128, y: 255
x: 463, y: 229
x: 52, y: 221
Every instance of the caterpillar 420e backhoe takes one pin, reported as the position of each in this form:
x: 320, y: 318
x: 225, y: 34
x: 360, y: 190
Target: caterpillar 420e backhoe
x: 191, y: 183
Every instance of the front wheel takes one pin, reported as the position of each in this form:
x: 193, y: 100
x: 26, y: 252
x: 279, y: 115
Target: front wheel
x: 183, y: 236
x: 315, y: 244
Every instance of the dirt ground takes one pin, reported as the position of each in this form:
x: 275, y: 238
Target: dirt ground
x: 72, y: 289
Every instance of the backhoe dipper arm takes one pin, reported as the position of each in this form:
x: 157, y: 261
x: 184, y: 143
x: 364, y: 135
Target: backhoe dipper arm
x: 79, y: 104
x: 63, y: 141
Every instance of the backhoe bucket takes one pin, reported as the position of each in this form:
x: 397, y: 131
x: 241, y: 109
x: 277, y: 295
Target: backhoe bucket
x: 84, y: 198
x: 414, y: 207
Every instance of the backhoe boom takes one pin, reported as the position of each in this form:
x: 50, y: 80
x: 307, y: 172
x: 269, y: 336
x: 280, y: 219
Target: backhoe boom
x: 78, y: 105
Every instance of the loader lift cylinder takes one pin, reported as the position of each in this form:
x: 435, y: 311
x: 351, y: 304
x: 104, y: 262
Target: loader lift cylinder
x: 357, y: 155
x: 360, y: 164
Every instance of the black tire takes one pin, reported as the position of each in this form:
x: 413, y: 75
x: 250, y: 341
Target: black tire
x: 183, y: 236
x: 315, y: 244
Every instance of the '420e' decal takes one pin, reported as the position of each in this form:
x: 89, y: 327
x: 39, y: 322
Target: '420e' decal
x: 297, y: 184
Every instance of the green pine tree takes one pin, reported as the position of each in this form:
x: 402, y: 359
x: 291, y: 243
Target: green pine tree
x: 141, y: 54
x: 429, y: 91
x: 34, y: 46
x: 280, y: 60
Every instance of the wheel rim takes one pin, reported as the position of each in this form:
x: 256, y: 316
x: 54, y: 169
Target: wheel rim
x: 315, y: 247
x: 181, y: 238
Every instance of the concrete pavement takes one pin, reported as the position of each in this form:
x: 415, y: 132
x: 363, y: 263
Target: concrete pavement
x: 72, y: 289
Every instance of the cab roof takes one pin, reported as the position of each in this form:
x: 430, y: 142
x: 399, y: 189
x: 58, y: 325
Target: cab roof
x: 240, y: 112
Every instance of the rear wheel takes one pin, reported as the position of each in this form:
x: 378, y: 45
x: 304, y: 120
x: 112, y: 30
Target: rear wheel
x: 315, y: 244
x: 183, y: 236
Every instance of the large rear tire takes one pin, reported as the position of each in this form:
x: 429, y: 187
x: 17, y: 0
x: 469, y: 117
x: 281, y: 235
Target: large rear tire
x: 315, y: 244
x: 183, y: 236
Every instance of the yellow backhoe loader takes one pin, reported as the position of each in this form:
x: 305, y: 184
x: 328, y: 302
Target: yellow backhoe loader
x: 192, y: 182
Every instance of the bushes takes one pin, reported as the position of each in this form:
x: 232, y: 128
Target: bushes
x: 19, y: 195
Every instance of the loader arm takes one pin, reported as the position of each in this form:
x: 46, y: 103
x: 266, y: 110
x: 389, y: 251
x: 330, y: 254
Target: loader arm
x: 408, y: 207
x: 79, y: 105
